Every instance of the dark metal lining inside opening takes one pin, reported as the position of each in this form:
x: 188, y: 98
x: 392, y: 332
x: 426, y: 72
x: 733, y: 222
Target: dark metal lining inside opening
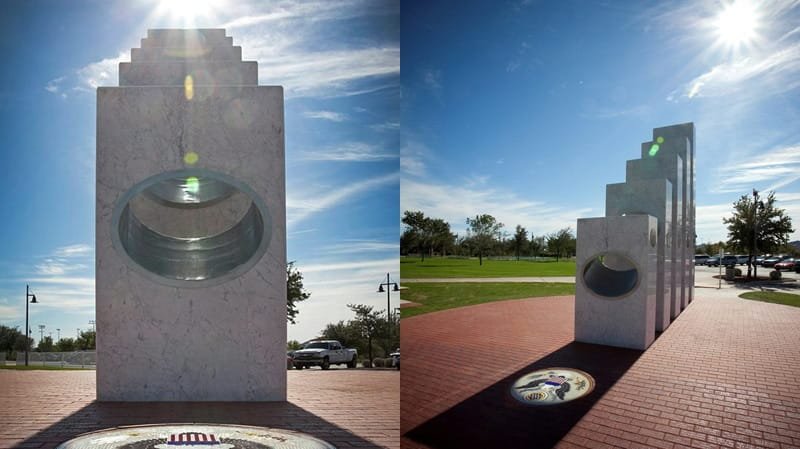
x: 610, y: 275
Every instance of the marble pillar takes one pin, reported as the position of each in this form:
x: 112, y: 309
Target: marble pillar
x: 615, y: 292
x: 670, y: 169
x: 650, y: 197
x: 191, y: 234
x: 680, y: 140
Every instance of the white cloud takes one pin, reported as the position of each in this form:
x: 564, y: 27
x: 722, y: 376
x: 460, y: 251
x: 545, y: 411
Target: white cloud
x: 350, y: 152
x: 326, y: 115
x: 454, y: 203
x: 299, y: 210
x: 57, y: 267
x: 768, y: 170
x: 101, y: 73
x: 80, y: 249
x: 336, y: 284
x: 306, y: 74
x: 54, y: 85
x: 412, y: 158
x: 362, y: 246
x: 432, y: 79
x: 772, y: 73
x: 386, y: 126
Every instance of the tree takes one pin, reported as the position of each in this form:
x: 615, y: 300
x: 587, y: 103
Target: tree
x: 417, y: 231
x: 86, y: 341
x: 45, y: 345
x: 295, y: 292
x: 367, y: 321
x: 520, y: 239
x: 561, y: 243
x: 11, y: 340
x: 65, y: 345
x: 757, y: 226
x: 483, y: 233
x: 537, y: 245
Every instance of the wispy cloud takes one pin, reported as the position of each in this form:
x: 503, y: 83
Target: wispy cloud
x: 454, y: 203
x: 770, y: 74
x: 80, y: 249
x: 361, y: 247
x: 432, y: 79
x: 299, y: 210
x: 769, y: 170
x: 54, y: 86
x: 326, y: 115
x: 350, y: 152
x: 386, y: 126
x: 412, y: 158
x: 343, y: 266
x: 318, y: 73
x: 57, y: 267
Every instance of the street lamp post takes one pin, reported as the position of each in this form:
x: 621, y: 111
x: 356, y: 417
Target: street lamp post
x: 395, y: 288
x: 755, y: 233
x: 32, y: 297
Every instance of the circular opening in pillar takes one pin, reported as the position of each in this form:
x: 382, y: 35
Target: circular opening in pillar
x: 611, y: 275
x: 653, y: 236
x: 189, y: 436
x: 191, y: 228
x: 552, y: 386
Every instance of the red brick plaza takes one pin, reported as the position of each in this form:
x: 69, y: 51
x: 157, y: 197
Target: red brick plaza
x: 725, y: 374
x: 348, y: 408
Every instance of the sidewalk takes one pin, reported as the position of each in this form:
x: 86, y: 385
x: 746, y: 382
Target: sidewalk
x: 348, y: 408
x: 724, y: 374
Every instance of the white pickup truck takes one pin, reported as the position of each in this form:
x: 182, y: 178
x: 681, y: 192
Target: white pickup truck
x: 324, y: 353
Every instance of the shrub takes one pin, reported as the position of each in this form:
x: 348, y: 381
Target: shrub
x: 738, y: 272
x: 377, y: 363
x: 775, y: 275
x: 366, y: 363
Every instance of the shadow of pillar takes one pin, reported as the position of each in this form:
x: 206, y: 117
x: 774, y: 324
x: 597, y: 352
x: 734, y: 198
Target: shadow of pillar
x: 104, y: 415
x: 492, y: 418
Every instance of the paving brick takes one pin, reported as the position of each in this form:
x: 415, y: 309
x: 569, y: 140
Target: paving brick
x: 357, y: 408
x: 696, y: 386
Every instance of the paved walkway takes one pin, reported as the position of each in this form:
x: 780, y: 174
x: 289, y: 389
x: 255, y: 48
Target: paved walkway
x: 348, y: 408
x: 724, y: 374
x: 559, y: 279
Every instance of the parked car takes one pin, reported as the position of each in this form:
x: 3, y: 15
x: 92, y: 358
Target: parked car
x: 742, y: 259
x: 727, y: 261
x: 760, y: 259
x: 324, y: 353
x: 786, y: 264
x: 700, y: 259
x: 395, y: 358
x: 289, y: 360
x: 771, y: 261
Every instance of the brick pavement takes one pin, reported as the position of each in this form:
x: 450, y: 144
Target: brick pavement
x: 725, y: 374
x: 349, y: 408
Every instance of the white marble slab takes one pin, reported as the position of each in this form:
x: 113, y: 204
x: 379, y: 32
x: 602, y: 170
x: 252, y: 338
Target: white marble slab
x: 628, y: 320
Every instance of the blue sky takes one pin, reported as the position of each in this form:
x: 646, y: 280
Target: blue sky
x: 339, y: 63
x: 527, y: 109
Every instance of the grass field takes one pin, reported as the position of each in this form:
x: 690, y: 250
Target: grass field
x: 787, y: 299
x: 442, y: 267
x: 441, y: 296
x: 40, y: 367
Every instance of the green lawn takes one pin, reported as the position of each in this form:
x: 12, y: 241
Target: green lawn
x: 444, y: 267
x: 39, y: 367
x: 442, y: 296
x: 773, y: 297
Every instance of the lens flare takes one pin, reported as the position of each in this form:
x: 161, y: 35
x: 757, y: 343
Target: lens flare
x: 188, y: 87
x: 659, y: 140
x: 192, y: 185
x: 654, y: 149
x: 191, y: 158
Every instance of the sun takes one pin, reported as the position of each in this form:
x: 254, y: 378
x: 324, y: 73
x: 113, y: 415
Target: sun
x: 737, y: 24
x: 188, y: 12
